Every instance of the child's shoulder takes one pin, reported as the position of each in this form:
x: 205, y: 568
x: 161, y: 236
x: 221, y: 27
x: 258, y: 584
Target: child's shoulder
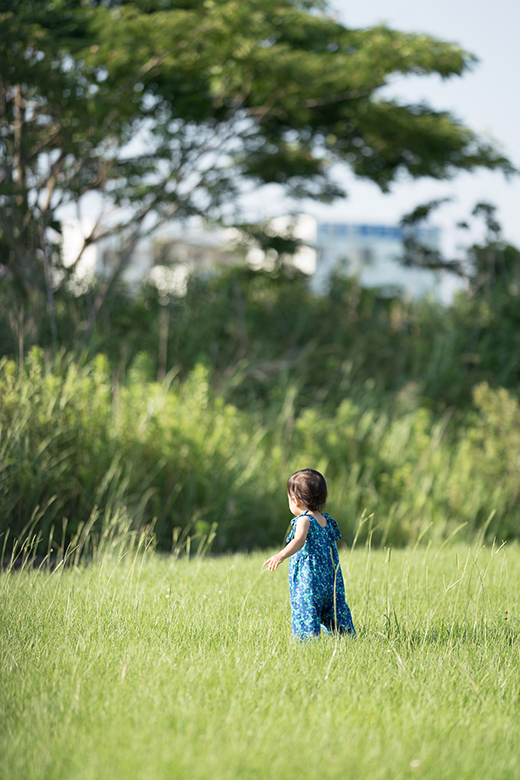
x: 301, y: 518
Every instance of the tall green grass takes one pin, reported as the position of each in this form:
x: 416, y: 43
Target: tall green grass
x: 142, y: 666
x: 78, y: 448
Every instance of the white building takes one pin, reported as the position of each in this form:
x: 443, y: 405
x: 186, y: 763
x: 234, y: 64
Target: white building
x: 169, y: 256
x: 372, y: 253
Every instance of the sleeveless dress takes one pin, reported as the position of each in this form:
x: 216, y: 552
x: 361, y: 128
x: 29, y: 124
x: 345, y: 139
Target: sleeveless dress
x: 316, y: 587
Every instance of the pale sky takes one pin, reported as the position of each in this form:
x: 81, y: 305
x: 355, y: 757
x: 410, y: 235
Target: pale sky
x: 487, y: 99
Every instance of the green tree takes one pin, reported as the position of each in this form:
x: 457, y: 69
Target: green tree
x: 171, y: 109
x: 482, y: 342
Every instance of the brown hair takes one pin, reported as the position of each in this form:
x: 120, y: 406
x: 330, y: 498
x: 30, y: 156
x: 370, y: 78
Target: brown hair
x: 309, y: 487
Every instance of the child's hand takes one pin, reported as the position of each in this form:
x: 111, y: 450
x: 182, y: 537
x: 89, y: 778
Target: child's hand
x: 273, y: 562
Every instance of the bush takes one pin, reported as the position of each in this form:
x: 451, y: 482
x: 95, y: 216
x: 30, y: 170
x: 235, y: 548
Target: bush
x: 75, y: 444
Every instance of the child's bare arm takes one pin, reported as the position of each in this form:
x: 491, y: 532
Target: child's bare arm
x: 300, y: 536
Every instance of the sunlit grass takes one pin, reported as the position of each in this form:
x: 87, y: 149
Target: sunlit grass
x: 149, y: 667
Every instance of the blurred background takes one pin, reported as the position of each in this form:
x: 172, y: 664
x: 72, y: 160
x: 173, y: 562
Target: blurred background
x: 241, y: 239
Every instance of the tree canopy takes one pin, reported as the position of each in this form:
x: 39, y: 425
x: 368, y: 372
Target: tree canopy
x: 170, y: 109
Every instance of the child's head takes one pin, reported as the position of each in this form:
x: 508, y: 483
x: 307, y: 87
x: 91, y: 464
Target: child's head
x: 309, y: 487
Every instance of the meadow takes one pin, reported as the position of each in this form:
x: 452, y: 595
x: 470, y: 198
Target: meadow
x: 141, y: 665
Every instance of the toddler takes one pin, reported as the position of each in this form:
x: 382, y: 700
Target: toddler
x: 316, y: 584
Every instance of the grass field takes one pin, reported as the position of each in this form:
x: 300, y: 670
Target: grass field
x: 154, y: 668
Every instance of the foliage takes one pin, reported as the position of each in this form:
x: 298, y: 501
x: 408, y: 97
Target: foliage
x: 167, y: 109
x: 76, y: 443
x: 152, y: 667
x: 260, y: 333
x: 484, y: 339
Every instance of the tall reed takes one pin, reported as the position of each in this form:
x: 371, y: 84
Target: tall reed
x: 77, y: 447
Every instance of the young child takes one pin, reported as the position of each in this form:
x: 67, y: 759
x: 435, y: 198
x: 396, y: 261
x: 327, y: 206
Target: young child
x: 316, y: 584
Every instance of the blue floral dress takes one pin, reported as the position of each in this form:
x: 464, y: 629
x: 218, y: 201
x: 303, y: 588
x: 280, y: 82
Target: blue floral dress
x: 316, y: 585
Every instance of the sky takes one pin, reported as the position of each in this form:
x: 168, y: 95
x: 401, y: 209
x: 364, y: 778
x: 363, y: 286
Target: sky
x: 486, y: 99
